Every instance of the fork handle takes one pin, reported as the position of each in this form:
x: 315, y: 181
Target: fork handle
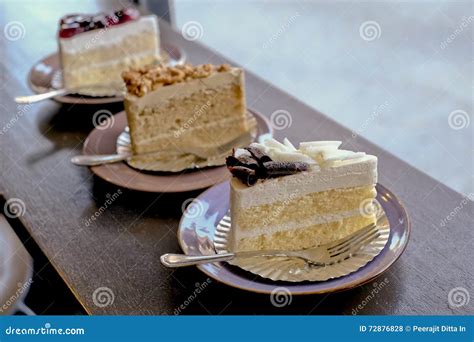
x: 98, y: 159
x: 181, y: 260
x: 40, y: 97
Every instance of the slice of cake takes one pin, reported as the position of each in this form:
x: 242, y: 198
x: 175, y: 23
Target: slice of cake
x: 95, y: 49
x: 287, y: 198
x: 172, y: 109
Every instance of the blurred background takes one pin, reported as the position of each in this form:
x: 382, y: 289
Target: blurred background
x: 397, y: 73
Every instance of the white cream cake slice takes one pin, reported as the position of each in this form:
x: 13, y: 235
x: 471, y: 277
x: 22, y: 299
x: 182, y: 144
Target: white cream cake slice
x: 95, y: 50
x: 290, y: 198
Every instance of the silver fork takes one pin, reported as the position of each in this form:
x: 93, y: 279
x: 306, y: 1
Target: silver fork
x: 201, y: 152
x: 320, y: 256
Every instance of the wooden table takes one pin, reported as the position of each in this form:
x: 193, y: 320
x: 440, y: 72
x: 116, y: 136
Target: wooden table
x: 121, y: 249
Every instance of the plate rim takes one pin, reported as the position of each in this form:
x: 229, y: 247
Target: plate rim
x: 289, y: 285
x: 96, y: 169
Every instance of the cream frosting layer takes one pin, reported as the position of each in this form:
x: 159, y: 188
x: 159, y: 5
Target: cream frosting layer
x: 305, y: 222
x: 110, y: 35
x: 160, y: 96
x: 358, y: 173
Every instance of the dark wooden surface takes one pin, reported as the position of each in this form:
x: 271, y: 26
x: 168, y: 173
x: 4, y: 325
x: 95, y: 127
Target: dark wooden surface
x: 121, y: 248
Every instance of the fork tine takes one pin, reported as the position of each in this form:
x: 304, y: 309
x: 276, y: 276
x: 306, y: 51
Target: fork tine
x: 348, y: 240
x: 355, y: 248
x: 354, y: 240
x: 357, y: 244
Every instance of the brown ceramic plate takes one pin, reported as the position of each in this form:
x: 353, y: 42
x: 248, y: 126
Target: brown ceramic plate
x: 103, y: 140
x: 198, y: 226
x: 45, y: 76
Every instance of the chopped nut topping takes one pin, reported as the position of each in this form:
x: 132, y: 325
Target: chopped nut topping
x: 139, y: 81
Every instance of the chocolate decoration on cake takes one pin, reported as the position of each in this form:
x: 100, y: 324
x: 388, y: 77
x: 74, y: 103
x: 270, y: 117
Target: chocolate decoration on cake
x: 277, y: 169
x: 258, y: 155
x: 258, y: 165
x: 245, y: 161
x: 246, y: 175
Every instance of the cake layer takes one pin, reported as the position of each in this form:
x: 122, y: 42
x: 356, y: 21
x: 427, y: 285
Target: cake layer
x: 108, y: 73
x: 131, y: 45
x: 303, y: 237
x: 296, y: 209
x: 200, y: 112
x: 212, y: 134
